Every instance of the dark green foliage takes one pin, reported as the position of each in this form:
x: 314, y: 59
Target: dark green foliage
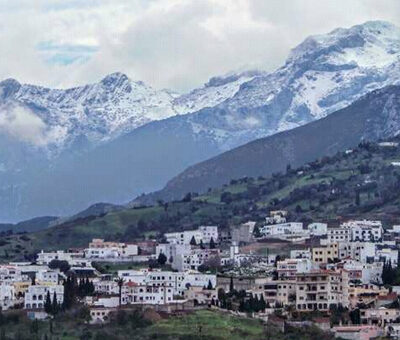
x: 58, y: 264
x: 162, y: 259
x: 212, y: 243
x: 209, y: 286
x: 388, y: 273
x: 70, y: 292
x: 231, y: 286
x: 193, y: 241
x: 85, y: 288
x: 55, y: 306
x: 187, y: 198
x: 47, y: 304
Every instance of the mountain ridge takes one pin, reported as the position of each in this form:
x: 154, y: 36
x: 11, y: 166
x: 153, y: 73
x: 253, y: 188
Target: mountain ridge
x: 372, y: 117
x: 227, y: 112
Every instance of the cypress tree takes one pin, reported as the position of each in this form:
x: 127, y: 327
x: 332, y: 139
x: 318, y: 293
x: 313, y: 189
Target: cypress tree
x: 263, y: 305
x: 209, y: 286
x: 54, y: 304
x: 193, y: 241
x: 256, y: 304
x: 47, y: 304
x: 231, y: 287
x: 212, y: 243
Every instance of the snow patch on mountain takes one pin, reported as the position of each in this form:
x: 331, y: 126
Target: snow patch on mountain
x: 116, y: 105
x: 321, y: 75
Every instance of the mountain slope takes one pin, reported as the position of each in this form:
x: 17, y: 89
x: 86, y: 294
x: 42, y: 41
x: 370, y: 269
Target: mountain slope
x: 89, y: 144
x: 321, y: 75
x: 375, y: 116
x: 344, y: 186
x: 110, y: 108
x: 47, y: 136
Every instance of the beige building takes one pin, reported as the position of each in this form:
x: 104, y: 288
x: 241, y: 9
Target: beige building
x: 365, y: 293
x: 319, y: 290
x: 286, y: 293
x: 379, y: 316
x: 325, y: 254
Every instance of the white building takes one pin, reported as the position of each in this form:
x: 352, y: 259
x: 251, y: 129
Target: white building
x: 179, y: 282
x: 360, y: 251
x: 202, y: 234
x: 7, y: 296
x: 289, y: 268
x: 47, y: 276
x: 146, y: 294
x: 10, y: 273
x: 370, y: 272
x: 106, y: 286
x: 340, y: 234
x: 367, y: 231
x: 184, y: 237
x: 300, y: 254
x: 99, y: 249
x: 194, y: 259
x: 275, y: 218
x: 289, y: 228
x: 318, y: 229
x: 386, y: 254
x: 208, y: 233
x: 73, y: 259
x: 36, y: 295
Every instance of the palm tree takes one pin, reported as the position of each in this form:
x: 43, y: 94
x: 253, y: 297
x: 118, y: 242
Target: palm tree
x: 120, y: 283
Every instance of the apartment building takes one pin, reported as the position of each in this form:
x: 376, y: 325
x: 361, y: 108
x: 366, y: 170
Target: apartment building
x: 73, y: 258
x: 289, y: 268
x: 99, y: 249
x: 379, y: 316
x: 208, y: 233
x: 340, y: 234
x: 202, y: 234
x: 35, y: 296
x: 178, y: 281
x: 318, y: 229
x: 147, y: 294
x: 319, y: 290
x: 289, y: 228
x: 325, y: 254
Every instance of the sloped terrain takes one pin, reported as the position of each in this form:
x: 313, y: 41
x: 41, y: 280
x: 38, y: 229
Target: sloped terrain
x: 362, y: 182
x: 373, y: 117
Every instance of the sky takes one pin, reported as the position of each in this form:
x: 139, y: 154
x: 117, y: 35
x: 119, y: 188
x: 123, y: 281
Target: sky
x: 175, y: 44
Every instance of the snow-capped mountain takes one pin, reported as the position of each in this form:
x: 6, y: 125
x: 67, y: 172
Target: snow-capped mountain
x: 114, y: 106
x: 119, y: 138
x: 321, y: 75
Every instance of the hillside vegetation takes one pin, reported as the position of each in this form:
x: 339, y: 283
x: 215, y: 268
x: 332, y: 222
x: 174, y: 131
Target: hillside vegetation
x: 372, y: 117
x: 361, y: 183
x: 202, y: 324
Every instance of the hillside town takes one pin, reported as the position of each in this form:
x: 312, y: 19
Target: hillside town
x: 342, y: 278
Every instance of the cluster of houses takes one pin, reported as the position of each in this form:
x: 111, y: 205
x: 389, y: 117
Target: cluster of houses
x: 28, y: 285
x: 325, y: 268
x: 333, y: 267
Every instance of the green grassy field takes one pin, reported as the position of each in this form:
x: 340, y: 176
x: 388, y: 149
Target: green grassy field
x: 206, y: 325
x: 202, y: 324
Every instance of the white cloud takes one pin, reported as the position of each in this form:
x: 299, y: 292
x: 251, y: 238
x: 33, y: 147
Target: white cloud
x: 23, y: 125
x: 177, y: 44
